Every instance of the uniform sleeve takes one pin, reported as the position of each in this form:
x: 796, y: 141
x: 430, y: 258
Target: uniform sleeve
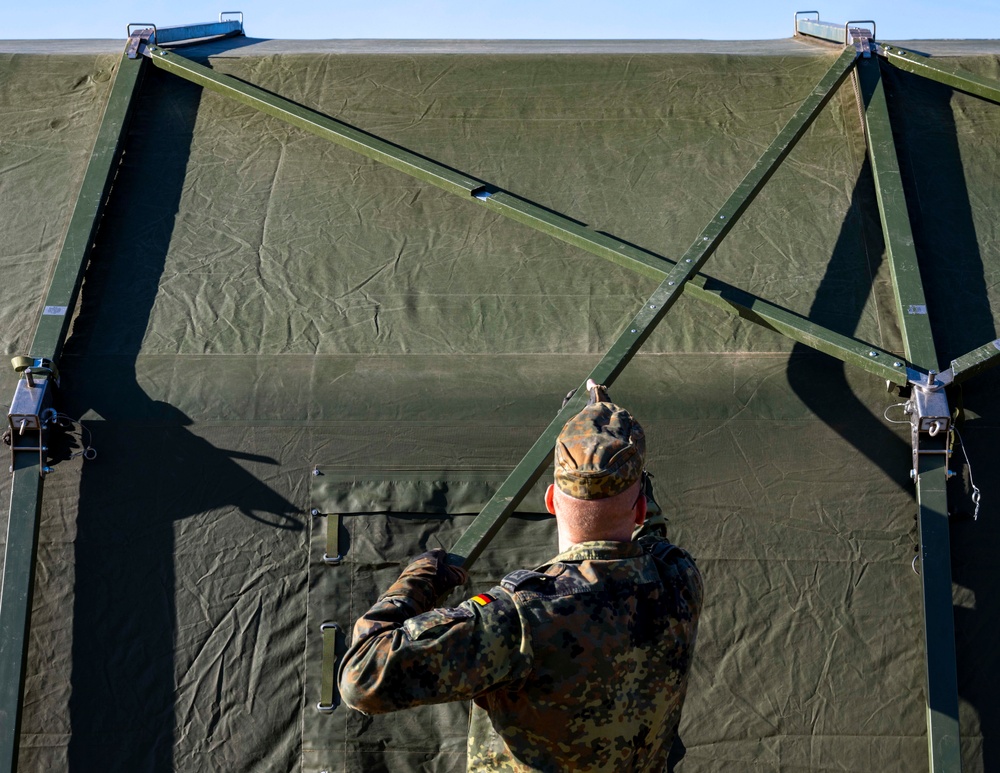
x: 404, y: 654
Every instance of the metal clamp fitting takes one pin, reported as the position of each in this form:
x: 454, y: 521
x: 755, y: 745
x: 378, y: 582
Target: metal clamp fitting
x: 31, y: 366
x: 142, y: 26
x: 847, y: 28
x: 225, y: 13
x: 31, y: 414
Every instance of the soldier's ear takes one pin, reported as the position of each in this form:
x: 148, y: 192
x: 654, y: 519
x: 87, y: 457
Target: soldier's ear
x: 550, y: 495
x: 640, y: 511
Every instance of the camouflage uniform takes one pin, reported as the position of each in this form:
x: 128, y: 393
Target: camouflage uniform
x: 581, y: 664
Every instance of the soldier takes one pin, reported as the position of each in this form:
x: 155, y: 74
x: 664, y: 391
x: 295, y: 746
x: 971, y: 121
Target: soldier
x: 580, y: 664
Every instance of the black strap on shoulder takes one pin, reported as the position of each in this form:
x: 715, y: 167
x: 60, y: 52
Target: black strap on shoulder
x: 519, y: 577
x: 660, y: 548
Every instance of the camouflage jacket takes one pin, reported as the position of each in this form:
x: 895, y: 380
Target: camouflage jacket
x: 580, y: 665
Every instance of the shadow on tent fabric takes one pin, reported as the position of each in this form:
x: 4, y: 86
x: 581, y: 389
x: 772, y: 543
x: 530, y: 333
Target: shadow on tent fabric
x: 820, y: 381
x: 937, y: 195
x: 925, y: 116
x: 955, y: 288
x: 201, y: 51
x: 976, y: 574
x: 152, y: 471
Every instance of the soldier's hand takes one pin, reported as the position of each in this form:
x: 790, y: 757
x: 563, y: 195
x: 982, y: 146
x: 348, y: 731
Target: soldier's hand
x: 433, y: 565
x: 598, y: 393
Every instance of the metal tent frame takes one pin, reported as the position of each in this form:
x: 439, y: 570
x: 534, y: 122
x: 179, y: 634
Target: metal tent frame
x: 31, y: 416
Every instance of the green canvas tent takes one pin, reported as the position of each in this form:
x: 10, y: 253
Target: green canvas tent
x: 300, y: 362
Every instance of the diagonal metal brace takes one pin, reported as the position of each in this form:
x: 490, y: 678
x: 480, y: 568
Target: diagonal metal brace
x: 943, y: 72
x: 705, y: 288
x: 975, y: 362
x: 513, y: 490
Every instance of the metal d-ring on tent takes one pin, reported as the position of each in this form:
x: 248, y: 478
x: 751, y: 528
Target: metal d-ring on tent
x: 930, y: 413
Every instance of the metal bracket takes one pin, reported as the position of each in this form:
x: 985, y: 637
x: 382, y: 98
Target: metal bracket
x: 137, y: 40
x: 860, y: 37
x: 31, y: 411
x: 162, y: 36
x: 930, y: 416
x: 848, y: 34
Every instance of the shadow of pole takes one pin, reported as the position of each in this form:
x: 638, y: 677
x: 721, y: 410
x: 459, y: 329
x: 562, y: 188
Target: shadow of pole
x: 934, y: 171
x: 820, y: 381
x: 955, y: 287
x: 152, y: 470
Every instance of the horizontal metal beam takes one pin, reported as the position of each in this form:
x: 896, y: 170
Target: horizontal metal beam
x: 825, y: 30
x: 832, y: 32
x: 185, y: 33
x: 215, y: 29
x: 705, y: 288
x: 943, y: 72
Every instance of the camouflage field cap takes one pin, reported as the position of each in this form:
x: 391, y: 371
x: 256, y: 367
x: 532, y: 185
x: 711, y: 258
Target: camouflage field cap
x: 600, y: 452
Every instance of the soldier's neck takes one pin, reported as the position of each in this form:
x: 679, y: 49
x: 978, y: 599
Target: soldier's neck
x: 569, y: 536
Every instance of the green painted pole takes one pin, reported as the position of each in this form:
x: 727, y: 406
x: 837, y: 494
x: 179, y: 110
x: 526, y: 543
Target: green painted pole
x: 527, y: 472
x: 50, y: 333
x: 316, y: 123
x: 943, y: 72
x: 944, y: 753
x: 705, y: 288
x: 871, y: 359
x: 53, y: 324
x: 975, y: 362
x: 943, y: 737
x: 15, y: 600
x: 513, y: 490
x: 911, y: 306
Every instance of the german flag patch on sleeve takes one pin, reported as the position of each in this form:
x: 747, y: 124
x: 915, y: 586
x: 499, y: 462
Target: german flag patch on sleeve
x: 483, y: 599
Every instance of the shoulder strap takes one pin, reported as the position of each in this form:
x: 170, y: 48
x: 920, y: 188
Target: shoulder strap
x: 520, y: 577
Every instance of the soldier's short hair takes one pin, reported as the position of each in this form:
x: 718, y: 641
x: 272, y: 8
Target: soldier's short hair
x: 600, y: 452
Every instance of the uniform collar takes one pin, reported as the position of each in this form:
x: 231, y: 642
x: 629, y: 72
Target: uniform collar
x: 602, y: 550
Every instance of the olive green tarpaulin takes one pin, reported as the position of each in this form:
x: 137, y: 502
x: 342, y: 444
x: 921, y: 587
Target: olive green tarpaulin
x: 261, y: 303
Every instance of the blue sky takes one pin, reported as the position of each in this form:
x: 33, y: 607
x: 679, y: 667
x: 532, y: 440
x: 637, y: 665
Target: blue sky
x: 523, y: 19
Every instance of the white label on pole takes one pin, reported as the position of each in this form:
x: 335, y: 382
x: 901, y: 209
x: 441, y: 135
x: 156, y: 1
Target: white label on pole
x: 917, y: 310
x: 54, y: 311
